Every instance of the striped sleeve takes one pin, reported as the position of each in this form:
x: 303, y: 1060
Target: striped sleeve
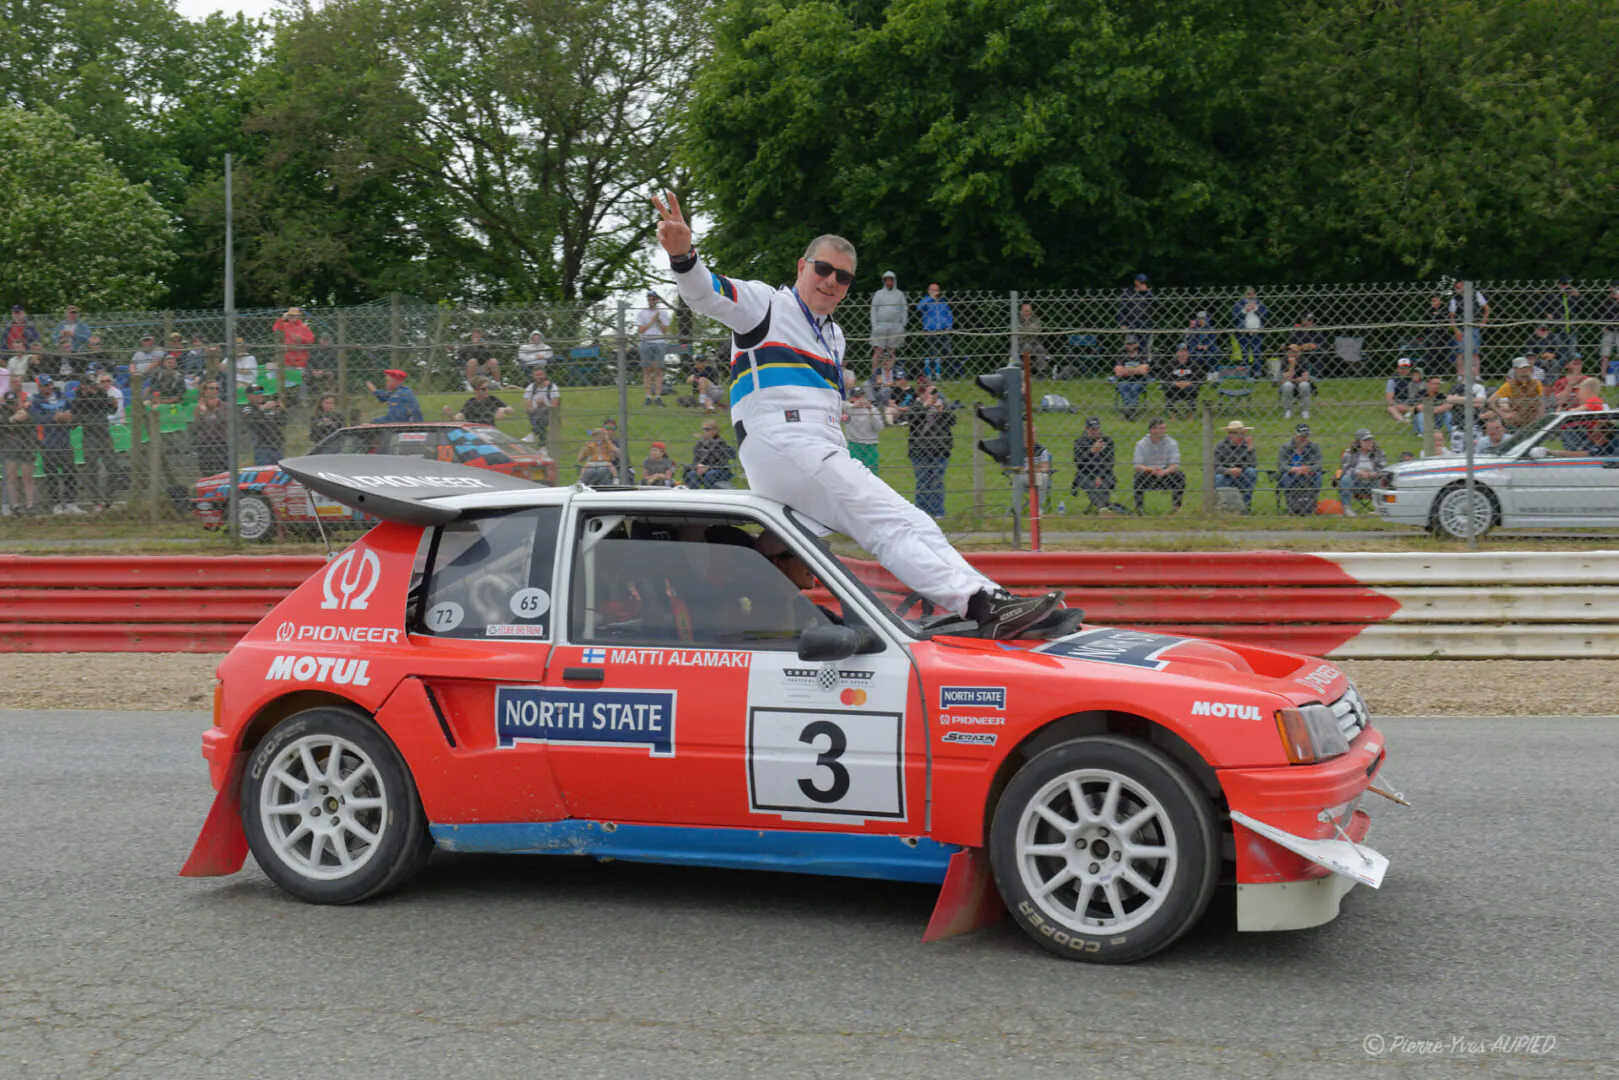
x: 741, y: 305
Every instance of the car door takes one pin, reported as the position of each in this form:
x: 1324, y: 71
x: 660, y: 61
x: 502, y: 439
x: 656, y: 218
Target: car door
x: 1564, y: 490
x: 481, y: 612
x: 677, y: 695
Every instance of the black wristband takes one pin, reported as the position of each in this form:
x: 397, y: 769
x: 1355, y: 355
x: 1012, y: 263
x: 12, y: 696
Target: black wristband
x: 682, y: 263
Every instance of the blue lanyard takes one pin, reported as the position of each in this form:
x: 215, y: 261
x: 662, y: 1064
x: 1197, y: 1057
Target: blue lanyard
x: 837, y: 361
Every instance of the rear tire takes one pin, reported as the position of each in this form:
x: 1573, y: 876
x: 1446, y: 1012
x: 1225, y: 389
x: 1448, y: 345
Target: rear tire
x: 255, y: 520
x: 1451, y: 512
x: 1104, y: 850
x: 330, y: 810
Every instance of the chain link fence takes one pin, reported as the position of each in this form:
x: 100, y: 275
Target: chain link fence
x: 1230, y: 370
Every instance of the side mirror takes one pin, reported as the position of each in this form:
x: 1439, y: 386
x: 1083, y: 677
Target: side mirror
x: 825, y: 643
x: 1539, y: 452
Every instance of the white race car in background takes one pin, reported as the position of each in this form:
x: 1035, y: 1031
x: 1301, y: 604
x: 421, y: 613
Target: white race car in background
x: 1533, y: 480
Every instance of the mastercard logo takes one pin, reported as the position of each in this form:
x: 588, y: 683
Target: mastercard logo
x: 853, y: 697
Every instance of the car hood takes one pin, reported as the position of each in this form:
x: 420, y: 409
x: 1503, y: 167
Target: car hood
x: 1446, y: 464
x: 1153, y: 660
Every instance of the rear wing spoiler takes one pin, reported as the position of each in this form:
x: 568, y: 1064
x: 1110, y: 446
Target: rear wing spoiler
x: 406, y: 490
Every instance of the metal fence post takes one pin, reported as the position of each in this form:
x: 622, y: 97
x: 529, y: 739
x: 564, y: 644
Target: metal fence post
x: 234, y: 457
x: 1469, y: 377
x: 619, y: 332
x: 978, y: 463
x: 396, y: 335
x: 1206, y: 412
x: 1012, y: 309
x: 342, y: 363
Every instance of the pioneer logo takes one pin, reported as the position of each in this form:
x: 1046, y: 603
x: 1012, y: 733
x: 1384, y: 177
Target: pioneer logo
x: 350, y: 580
x: 1226, y: 709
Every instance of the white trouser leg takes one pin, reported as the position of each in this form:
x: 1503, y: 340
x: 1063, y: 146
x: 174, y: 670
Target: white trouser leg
x: 816, y: 475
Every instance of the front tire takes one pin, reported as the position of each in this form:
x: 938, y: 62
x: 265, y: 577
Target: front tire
x: 1104, y: 850
x: 330, y: 810
x: 1452, y: 511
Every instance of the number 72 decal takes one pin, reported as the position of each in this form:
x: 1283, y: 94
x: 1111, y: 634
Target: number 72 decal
x: 807, y: 762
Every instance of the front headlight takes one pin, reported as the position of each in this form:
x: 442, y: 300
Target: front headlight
x: 1310, y: 734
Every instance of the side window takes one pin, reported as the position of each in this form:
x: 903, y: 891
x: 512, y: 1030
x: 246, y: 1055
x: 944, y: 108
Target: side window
x: 363, y: 441
x: 696, y: 581
x: 408, y: 443
x: 488, y: 577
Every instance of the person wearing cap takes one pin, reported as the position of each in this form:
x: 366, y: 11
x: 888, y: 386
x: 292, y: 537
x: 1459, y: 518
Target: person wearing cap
x: 542, y: 400
x: 1093, y: 466
x: 651, y: 335
x: 787, y: 390
x: 296, y: 338
x: 401, y: 400
x: 266, y: 425
x: 937, y: 322
x: 1157, y: 464
x: 146, y: 358
x: 658, y: 470
x: 707, y: 383
x: 1235, y: 463
x: 1402, y: 390
x: 1248, y: 317
x: 1130, y: 377
x: 1136, y: 311
x: 1520, y: 400
x: 19, y: 445
x: 72, y: 324
x: 535, y: 353
x: 21, y: 335
x: 1298, y: 468
x: 863, y: 426
x: 1560, y: 311
x: 711, y: 458
x: 1362, y: 467
x: 1181, y: 385
x: 1202, y: 343
x: 889, y: 309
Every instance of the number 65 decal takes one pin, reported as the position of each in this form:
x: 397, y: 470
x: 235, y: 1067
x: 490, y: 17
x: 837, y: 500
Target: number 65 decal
x: 802, y: 761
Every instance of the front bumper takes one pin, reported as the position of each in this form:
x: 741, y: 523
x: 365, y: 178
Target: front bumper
x: 1298, y: 833
x: 1403, y: 506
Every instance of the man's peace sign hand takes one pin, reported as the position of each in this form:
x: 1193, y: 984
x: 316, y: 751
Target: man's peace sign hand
x: 673, y: 232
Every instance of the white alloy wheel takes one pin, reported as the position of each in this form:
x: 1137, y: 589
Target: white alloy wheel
x: 323, y: 807
x: 1454, y: 511
x: 254, y: 518
x: 1097, y: 851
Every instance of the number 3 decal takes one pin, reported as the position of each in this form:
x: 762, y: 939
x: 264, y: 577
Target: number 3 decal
x: 837, y: 743
x: 810, y: 762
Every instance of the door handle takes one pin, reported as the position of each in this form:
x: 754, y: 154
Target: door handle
x: 584, y: 674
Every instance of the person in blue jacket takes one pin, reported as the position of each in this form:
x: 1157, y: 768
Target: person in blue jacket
x: 55, y: 418
x: 400, y: 399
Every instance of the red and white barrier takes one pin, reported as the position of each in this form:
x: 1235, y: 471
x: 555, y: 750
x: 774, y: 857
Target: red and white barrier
x: 1352, y: 606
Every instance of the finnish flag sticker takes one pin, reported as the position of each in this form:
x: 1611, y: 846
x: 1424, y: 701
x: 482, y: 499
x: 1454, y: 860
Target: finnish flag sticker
x: 595, y: 656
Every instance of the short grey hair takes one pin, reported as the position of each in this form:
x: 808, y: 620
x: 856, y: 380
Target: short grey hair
x: 836, y: 243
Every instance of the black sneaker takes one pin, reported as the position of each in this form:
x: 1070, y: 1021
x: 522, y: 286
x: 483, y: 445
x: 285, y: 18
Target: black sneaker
x: 1062, y: 622
x: 1002, y: 615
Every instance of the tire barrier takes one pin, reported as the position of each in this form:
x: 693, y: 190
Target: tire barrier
x: 1530, y: 605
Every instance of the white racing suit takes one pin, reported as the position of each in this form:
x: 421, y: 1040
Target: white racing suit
x: 787, y: 404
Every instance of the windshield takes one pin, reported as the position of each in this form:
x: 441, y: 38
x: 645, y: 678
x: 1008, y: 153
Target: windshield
x: 496, y: 437
x: 1524, y: 435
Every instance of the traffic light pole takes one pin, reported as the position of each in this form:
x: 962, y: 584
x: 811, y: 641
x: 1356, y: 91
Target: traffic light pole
x: 1029, y: 462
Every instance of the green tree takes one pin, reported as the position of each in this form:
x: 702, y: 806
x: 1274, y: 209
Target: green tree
x: 993, y: 142
x: 74, y: 230
x: 486, y: 150
x: 1417, y: 137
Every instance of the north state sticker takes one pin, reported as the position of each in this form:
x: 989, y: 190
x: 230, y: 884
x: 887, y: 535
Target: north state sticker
x: 628, y: 718
x: 973, y: 697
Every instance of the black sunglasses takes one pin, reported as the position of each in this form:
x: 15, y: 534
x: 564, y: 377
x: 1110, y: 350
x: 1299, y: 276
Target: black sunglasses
x: 826, y: 269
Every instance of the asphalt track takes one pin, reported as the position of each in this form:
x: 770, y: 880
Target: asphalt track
x: 1496, y: 924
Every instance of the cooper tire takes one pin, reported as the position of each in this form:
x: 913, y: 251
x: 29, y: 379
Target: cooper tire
x: 1104, y: 850
x: 330, y: 810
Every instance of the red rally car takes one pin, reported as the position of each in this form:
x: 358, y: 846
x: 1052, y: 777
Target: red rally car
x: 646, y: 675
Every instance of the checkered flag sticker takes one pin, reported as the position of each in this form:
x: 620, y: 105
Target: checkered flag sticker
x: 827, y: 680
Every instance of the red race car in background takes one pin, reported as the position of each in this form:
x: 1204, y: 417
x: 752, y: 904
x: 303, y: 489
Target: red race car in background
x: 646, y: 675
x: 268, y: 497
